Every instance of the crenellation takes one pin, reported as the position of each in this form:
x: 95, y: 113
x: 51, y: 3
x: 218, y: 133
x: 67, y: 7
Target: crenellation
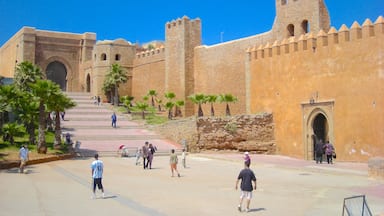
x: 276, y: 48
x: 312, y: 41
x: 379, y: 25
x: 343, y: 34
x: 322, y: 38
x: 355, y: 31
x: 333, y: 37
x: 368, y: 29
x: 150, y: 53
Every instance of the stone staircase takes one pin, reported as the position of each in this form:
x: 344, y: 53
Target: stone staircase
x: 90, y: 127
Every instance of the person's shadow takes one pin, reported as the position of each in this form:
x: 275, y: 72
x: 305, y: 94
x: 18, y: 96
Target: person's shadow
x: 257, y: 209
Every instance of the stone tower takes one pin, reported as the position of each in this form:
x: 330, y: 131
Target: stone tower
x: 296, y: 17
x: 106, y: 53
x: 181, y: 37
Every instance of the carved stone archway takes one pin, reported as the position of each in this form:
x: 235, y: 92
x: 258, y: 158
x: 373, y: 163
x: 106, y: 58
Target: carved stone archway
x: 317, y: 124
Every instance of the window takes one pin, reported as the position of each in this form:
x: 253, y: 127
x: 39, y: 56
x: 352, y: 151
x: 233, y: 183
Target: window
x: 290, y: 30
x: 305, y: 26
x: 117, y: 57
x: 103, y: 57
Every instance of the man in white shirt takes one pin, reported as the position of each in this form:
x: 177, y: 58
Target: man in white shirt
x: 97, y: 175
x: 24, y: 156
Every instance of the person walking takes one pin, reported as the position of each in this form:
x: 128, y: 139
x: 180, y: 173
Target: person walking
x: 97, y: 167
x: 173, y: 162
x: 138, y: 156
x: 329, y: 150
x: 114, y: 119
x: 247, y: 177
x: 145, y: 155
x: 183, y: 158
x: 151, y: 152
x: 247, y: 159
x: 319, y: 151
x: 24, y: 157
x: 98, y: 100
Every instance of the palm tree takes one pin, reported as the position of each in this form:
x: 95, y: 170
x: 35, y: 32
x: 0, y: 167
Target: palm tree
x: 117, y: 76
x: 153, y: 94
x: 127, y: 102
x: 27, y: 73
x: 227, y: 98
x: 45, y: 90
x: 169, y: 106
x: 108, y: 88
x: 58, y: 103
x: 159, y: 103
x: 198, y: 99
x: 23, y: 105
x: 13, y: 130
x: 178, y: 104
x: 142, y: 106
x: 28, y: 111
x: 212, y: 99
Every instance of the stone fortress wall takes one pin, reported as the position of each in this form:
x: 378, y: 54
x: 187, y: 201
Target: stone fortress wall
x: 341, y: 67
x: 313, y: 78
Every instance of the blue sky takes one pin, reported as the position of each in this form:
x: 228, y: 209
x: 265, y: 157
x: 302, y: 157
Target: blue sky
x: 140, y: 21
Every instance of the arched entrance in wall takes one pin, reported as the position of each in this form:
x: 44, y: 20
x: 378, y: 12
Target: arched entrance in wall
x: 317, y: 124
x: 88, y: 83
x: 57, y: 72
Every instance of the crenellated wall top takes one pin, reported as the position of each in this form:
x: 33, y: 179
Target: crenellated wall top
x: 311, y: 41
x: 150, y: 53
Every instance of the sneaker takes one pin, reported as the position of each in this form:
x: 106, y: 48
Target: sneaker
x: 178, y: 175
x: 93, y: 196
x: 247, y: 210
x: 239, y: 208
x: 103, y: 195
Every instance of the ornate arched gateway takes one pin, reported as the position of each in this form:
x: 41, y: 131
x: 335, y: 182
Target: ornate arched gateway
x: 57, y: 72
x: 317, y: 124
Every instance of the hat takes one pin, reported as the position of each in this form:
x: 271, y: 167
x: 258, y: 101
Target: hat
x: 246, y: 153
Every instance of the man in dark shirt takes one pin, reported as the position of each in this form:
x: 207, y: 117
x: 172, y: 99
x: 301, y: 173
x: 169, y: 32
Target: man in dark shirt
x: 247, y: 176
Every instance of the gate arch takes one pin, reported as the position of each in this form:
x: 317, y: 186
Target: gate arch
x: 317, y: 124
x: 57, y: 72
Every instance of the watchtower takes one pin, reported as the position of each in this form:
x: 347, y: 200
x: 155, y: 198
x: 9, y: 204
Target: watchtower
x: 182, y: 36
x: 296, y: 17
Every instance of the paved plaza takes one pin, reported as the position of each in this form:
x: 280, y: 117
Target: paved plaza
x: 285, y: 186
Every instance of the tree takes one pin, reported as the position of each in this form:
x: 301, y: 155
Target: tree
x: 198, y: 99
x: 117, y: 76
x: 152, y: 94
x: 45, y: 90
x: 212, y: 99
x: 108, y: 88
x: 11, y: 131
x: 23, y: 104
x: 159, y: 103
x: 142, y: 106
x: 169, y: 106
x: 127, y: 102
x: 27, y: 73
x: 227, y: 98
x: 59, y: 102
x: 178, y: 104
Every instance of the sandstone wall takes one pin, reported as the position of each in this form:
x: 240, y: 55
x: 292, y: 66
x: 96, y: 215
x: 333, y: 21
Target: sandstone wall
x: 149, y: 74
x: 253, y: 133
x: 343, y: 67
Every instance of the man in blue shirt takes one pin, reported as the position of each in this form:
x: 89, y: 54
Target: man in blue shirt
x: 97, y: 175
x: 247, y: 176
